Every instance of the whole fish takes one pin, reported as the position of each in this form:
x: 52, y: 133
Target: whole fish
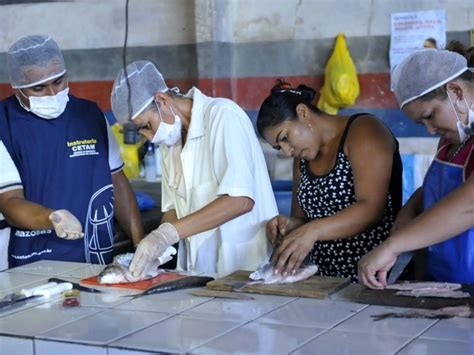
x: 185, y: 282
x: 464, y: 311
x: 264, y: 274
x: 118, y: 271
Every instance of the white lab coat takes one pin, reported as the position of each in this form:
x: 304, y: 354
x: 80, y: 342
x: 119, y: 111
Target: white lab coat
x: 222, y: 156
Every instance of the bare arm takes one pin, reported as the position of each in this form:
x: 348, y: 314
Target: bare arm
x: 372, y: 173
x: 169, y: 217
x: 370, y: 148
x: 22, y: 213
x: 125, y: 207
x: 450, y: 216
x: 216, y: 213
x: 412, y: 208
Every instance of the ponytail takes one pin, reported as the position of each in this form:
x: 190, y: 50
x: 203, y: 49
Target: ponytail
x: 281, y: 105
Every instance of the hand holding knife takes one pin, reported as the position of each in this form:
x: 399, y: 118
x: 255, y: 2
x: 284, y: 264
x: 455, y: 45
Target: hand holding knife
x: 276, y: 245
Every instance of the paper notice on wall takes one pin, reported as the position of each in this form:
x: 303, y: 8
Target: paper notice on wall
x: 415, y: 30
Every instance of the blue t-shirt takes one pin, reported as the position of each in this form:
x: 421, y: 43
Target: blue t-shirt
x: 63, y: 164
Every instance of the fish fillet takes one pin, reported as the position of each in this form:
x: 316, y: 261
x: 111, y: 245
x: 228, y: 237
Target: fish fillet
x: 434, y: 293
x: 410, y: 286
x: 264, y: 274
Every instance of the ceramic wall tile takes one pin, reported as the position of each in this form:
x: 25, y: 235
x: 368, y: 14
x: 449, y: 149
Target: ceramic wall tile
x: 341, y: 342
x: 257, y: 338
x: 237, y: 310
x: 363, y: 322
x: 437, y: 347
x: 47, y: 267
x: 38, y: 319
x: 455, y: 329
x: 43, y: 347
x: 16, y: 346
x: 168, y: 302
x: 176, y: 334
x: 312, y: 313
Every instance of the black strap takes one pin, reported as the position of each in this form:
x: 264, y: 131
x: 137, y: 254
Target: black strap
x: 4, y: 224
x: 346, y: 130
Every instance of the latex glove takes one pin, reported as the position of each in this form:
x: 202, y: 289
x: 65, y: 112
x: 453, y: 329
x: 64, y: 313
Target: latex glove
x: 152, y: 247
x: 66, y: 225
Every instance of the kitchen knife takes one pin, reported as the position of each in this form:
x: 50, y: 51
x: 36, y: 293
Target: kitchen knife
x: 277, y: 244
x: 13, y: 300
x: 402, y: 261
x: 76, y: 285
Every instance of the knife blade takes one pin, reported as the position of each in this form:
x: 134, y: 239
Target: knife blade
x: 402, y: 261
x: 76, y: 285
x: 15, y: 300
x: 277, y: 244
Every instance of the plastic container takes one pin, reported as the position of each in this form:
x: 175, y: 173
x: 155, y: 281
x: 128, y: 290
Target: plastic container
x: 157, y: 161
x: 150, y: 165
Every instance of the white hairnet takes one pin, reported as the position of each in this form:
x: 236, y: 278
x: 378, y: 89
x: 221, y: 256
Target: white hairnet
x: 33, y: 60
x: 145, y: 81
x: 425, y: 70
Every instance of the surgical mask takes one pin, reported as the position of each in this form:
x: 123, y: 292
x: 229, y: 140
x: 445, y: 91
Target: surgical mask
x: 464, y: 130
x: 47, y: 107
x: 166, y: 133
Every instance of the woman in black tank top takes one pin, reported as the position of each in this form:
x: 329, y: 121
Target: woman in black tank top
x: 348, y: 183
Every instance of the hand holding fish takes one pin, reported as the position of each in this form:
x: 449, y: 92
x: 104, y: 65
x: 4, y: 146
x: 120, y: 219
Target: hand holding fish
x: 373, y: 267
x: 152, y: 247
x: 66, y: 225
x: 293, y: 250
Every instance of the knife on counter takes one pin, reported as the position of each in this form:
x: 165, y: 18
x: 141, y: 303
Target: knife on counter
x: 402, y: 261
x: 44, y: 291
x: 76, y: 285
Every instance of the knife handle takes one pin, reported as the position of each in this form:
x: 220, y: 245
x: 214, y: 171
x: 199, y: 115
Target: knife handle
x: 31, y: 291
x: 54, y: 290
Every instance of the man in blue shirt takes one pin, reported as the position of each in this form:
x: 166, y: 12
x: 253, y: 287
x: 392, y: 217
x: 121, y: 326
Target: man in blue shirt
x: 61, y: 167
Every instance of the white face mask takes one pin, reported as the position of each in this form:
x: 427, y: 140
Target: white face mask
x: 47, y: 107
x: 464, y: 130
x: 166, y: 133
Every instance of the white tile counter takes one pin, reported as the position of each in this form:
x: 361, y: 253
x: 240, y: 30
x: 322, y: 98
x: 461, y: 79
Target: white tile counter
x: 178, y: 322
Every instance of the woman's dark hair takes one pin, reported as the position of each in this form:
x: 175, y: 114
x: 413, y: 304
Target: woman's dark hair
x: 280, y: 106
x: 467, y: 76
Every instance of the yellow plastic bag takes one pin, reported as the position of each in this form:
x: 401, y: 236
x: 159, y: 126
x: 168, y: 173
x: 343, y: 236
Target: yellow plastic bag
x: 129, y: 153
x: 341, y: 86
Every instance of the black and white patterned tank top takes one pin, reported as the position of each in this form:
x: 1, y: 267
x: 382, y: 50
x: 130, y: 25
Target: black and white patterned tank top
x: 324, y: 196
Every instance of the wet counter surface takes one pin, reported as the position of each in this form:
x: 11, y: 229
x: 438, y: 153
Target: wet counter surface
x: 178, y: 322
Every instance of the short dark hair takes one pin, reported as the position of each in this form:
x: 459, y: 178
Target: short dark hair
x: 280, y: 105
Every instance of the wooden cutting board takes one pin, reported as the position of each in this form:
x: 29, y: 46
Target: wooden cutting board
x: 388, y: 298
x: 314, y: 287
